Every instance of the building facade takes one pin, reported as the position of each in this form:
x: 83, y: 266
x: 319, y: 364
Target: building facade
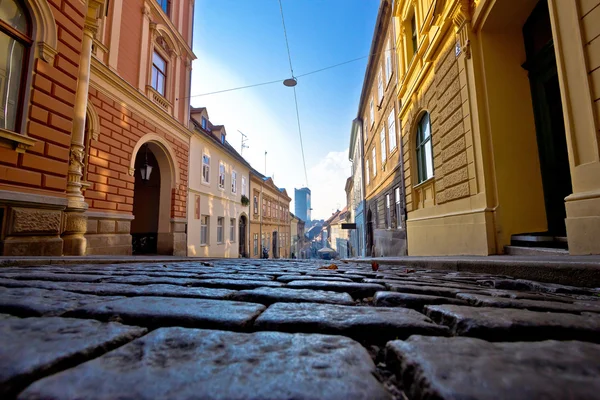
x: 356, y: 200
x: 218, y: 194
x: 94, y: 94
x: 385, y: 233
x: 270, y: 218
x: 500, y: 120
x: 302, y: 206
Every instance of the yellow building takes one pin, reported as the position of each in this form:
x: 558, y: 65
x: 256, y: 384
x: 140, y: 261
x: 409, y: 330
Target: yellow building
x: 270, y: 217
x: 500, y: 103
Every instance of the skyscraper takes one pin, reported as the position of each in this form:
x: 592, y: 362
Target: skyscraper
x: 302, y: 203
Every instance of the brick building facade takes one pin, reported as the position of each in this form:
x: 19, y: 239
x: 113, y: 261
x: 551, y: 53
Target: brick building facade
x: 103, y: 88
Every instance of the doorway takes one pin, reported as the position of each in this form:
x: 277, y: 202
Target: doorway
x: 275, y: 245
x: 548, y: 115
x: 242, y: 237
x: 146, y: 203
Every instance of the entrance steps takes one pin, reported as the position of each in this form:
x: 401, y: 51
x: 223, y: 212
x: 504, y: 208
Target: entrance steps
x: 534, y: 251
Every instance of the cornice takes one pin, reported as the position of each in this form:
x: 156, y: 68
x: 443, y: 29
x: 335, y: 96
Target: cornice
x: 154, y: 113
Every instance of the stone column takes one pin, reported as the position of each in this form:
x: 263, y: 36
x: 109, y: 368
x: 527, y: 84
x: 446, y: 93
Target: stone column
x: 74, y: 242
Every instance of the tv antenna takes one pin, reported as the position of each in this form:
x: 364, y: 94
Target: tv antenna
x: 244, y: 140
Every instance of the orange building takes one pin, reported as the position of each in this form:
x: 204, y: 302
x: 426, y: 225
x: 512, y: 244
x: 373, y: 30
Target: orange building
x: 93, y: 135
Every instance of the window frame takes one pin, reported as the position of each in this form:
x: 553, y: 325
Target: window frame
x: 165, y: 3
x: 388, y: 63
x: 374, y: 161
x: 414, y: 36
x: 421, y: 151
x: 165, y: 73
x: 372, y: 112
x: 234, y: 182
x: 398, y: 202
x: 220, y: 230
x: 255, y: 244
x: 388, y: 212
x: 244, y: 186
x: 27, y: 40
x: 392, y: 130
x: 222, y: 173
x: 382, y: 139
x: 204, y: 230
x: 232, y: 224
x: 368, y: 171
x: 255, y: 204
x: 206, y: 167
x: 380, y: 90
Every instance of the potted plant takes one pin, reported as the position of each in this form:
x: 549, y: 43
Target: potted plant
x: 245, y: 201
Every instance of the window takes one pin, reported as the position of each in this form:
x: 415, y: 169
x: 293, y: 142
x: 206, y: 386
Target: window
x: 371, y: 113
x: 264, y: 207
x: 424, y: 149
x: 366, y: 129
x: 232, y: 230
x: 233, y: 182
x: 398, y: 208
x: 222, y: 138
x: 380, y: 87
x: 388, y: 218
x: 15, y: 42
x: 413, y: 33
x: 383, y: 150
x: 392, y: 130
x: 205, y: 168
x: 388, y: 63
x: 220, y: 223
x: 269, y: 209
x: 221, y: 175
x: 368, y: 172
x: 204, y: 230
x: 204, y: 123
x: 255, y: 204
x: 165, y: 5
x: 159, y: 73
x: 244, y: 186
x: 374, y: 159
x: 255, y: 240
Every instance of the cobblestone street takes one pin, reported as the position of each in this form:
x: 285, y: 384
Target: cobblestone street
x: 276, y: 329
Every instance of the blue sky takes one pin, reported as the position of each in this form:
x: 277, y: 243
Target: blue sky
x: 241, y: 42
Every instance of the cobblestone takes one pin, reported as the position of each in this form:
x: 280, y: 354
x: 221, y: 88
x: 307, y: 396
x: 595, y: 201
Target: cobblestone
x: 284, y: 329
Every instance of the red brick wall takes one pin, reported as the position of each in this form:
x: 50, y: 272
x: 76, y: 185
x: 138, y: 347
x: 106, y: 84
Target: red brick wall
x: 110, y: 157
x: 50, y: 110
x: 129, y: 63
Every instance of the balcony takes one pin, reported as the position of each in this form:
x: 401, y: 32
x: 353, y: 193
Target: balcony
x: 159, y: 99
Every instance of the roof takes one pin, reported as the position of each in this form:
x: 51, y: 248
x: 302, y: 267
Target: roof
x: 269, y: 181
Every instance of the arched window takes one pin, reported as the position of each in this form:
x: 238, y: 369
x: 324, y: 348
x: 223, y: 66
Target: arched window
x: 424, y: 149
x: 15, y: 45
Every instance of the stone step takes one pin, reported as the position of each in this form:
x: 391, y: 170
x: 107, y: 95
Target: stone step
x: 534, y: 251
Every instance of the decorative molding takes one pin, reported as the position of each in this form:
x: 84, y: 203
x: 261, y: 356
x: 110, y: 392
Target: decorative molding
x: 166, y: 147
x: 18, y: 142
x: 46, y: 35
x: 131, y: 171
x: 38, y: 200
x: 93, y: 121
x: 153, y: 4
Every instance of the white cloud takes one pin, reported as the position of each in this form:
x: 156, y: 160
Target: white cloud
x: 327, y: 180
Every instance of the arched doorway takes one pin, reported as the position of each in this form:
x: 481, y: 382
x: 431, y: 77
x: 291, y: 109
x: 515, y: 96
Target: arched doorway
x: 369, y: 234
x: 146, y: 202
x: 242, y: 236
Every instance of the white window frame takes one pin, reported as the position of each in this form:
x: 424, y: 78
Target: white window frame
x: 374, y: 160
x: 204, y: 229
x: 205, y: 168
x: 244, y: 187
x: 388, y: 63
x: 379, y: 88
x: 220, y: 230
x: 383, y: 149
x: 392, y: 130
x: 221, y: 175
x: 372, y: 112
x: 164, y: 73
x: 232, y: 230
x: 368, y: 172
x: 233, y: 182
x: 366, y: 129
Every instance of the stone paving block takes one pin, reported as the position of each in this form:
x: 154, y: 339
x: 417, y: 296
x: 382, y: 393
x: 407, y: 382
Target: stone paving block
x: 156, y: 312
x: 506, y: 324
x: 149, y: 280
x: 236, y: 284
x: 33, y: 302
x: 33, y: 348
x: 428, y: 290
x: 117, y: 289
x: 355, y: 289
x: 265, y: 295
x: 374, y: 325
x: 206, y: 364
x: 524, y: 284
x: 48, y: 276
x: 533, y: 305
x: 410, y: 300
x: 249, y: 277
x: 291, y: 278
x: 476, y: 369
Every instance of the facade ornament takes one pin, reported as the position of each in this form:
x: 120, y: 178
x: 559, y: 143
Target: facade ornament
x: 47, y: 52
x: 462, y: 25
x: 131, y: 171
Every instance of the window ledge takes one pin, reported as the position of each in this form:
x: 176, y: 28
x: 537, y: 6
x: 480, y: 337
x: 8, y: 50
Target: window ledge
x: 19, y: 143
x: 425, y: 182
x: 159, y: 99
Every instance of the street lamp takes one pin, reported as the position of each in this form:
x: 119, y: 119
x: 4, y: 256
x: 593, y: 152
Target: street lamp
x: 146, y: 170
x: 290, y: 82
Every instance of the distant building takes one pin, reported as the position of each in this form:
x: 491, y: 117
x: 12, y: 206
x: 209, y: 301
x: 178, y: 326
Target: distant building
x: 302, y: 203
